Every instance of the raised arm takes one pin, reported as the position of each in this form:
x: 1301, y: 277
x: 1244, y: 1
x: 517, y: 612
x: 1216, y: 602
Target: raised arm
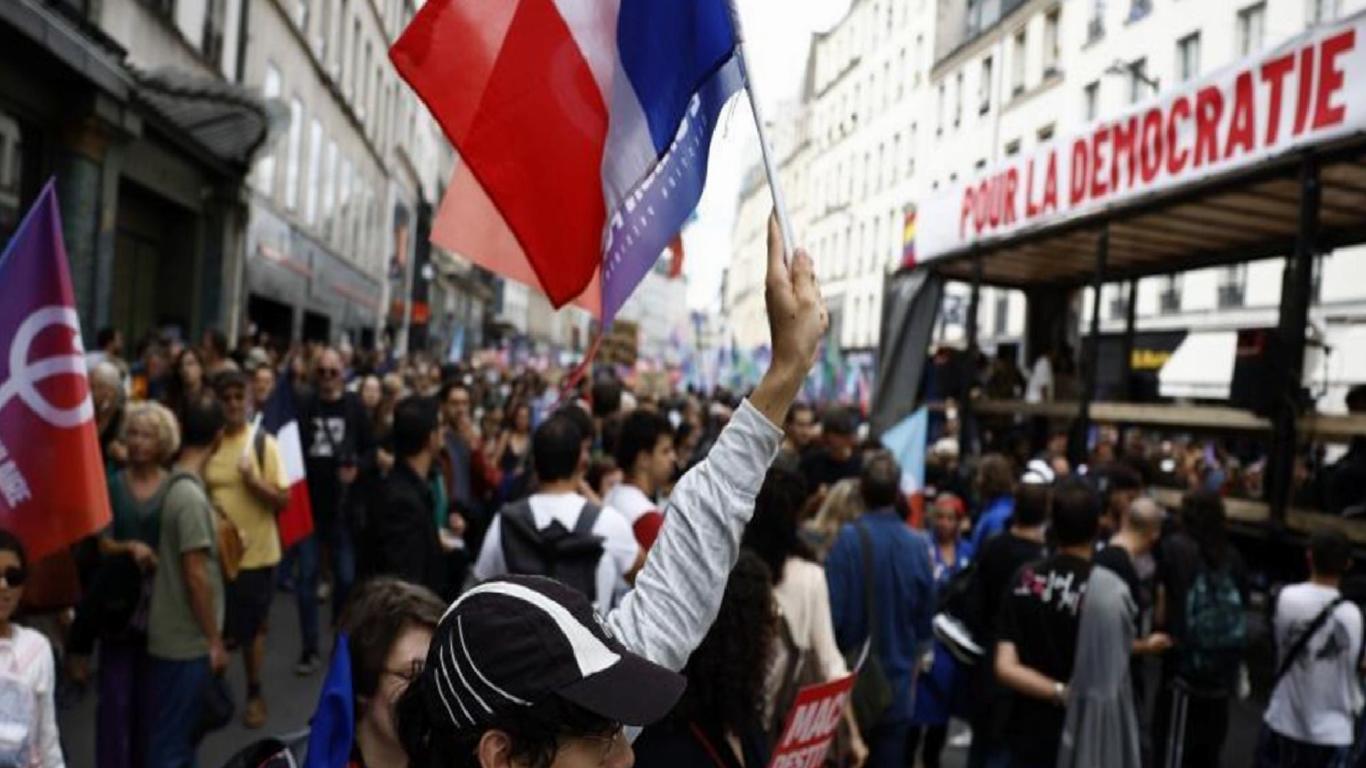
x: 678, y: 592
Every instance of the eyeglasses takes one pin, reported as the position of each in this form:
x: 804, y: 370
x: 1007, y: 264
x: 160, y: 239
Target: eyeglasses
x: 14, y: 576
x: 608, y: 742
x: 408, y: 675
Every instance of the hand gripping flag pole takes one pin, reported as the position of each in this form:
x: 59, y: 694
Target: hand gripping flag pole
x: 765, y: 149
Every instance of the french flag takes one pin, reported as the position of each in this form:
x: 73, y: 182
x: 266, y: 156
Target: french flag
x: 583, y: 127
x: 280, y: 418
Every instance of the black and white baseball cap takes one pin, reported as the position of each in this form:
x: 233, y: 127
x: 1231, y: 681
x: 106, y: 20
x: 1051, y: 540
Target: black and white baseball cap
x: 511, y: 642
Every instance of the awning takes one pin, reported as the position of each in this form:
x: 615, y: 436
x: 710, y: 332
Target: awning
x: 1201, y: 368
x: 224, y: 118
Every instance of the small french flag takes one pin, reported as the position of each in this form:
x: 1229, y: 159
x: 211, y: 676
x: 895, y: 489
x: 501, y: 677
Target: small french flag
x: 583, y: 127
x: 280, y: 418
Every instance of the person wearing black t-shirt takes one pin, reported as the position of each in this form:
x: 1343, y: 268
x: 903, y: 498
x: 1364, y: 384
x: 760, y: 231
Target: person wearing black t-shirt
x: 834, y: 458
x: 1037, y: 630
x: 998, y: 561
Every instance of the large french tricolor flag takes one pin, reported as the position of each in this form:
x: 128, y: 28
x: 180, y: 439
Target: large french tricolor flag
x: 583, y: 127
x: 280, y: 418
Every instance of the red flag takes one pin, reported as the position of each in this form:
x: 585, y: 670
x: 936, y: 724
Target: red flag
x: 676, y: 256
x: 52, y: 484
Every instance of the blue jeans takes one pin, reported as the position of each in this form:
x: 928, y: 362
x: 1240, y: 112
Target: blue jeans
x: 175, y: 710
x: 887, y: 745
x: 342, y: 542
x: 305, y: 554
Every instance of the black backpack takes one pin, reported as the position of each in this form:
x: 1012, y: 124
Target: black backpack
x: 568, y: 556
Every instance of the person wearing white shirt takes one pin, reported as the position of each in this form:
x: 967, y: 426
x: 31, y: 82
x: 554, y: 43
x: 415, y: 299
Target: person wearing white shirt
x: 560, y: 459
x: 28, y: 718
x: 645, y: 454
x: 1316, y: 697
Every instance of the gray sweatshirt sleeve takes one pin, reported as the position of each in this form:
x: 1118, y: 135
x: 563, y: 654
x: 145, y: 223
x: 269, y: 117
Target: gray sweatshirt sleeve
x: 678, y: 593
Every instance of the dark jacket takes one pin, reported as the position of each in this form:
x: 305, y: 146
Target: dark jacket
x: 402, y: 532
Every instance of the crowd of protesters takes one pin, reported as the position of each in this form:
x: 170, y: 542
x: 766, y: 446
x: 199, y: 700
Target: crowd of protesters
x: 534, y: 575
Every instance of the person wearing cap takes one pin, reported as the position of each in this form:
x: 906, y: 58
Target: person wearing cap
x: 521, y: 669
x: 245, y: 478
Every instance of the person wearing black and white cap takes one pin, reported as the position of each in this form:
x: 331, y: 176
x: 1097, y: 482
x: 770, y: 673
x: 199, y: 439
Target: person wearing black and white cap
x: 540, y: 679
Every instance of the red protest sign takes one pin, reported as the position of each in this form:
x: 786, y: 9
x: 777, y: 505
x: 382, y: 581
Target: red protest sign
x: 811, y: 725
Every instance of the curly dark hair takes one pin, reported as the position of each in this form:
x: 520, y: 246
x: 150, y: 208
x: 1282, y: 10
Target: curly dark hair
x: 726, y: 672
x: 772, y: 533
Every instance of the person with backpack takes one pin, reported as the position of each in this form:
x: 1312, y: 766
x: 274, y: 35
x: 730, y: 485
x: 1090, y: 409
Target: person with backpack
x: 185, y: 621
x: 245, y: 479
x: 401, y: 538
x: 556, y: 532
x: 1202, y: 601
x: 1310, y: 721
x: 882, y: 597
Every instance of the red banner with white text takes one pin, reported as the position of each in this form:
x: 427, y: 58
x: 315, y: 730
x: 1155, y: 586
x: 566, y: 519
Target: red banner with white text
x: 1309, y: 90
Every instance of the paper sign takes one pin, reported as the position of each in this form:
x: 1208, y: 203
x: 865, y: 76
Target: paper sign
x: 811, y: 725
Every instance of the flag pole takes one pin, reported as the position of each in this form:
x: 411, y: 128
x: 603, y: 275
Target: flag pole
x: 765, y: 149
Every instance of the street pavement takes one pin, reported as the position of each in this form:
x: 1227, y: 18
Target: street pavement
x: 292, y: 700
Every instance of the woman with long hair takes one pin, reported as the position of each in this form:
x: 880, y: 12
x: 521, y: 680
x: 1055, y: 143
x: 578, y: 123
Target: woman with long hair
x: 1202, y: 601
x: 804, y: 646
x: 129, y: 549
x: 187, y: 380
x: 843, y: 504
x: 515, y: 440
x: 719, y: 721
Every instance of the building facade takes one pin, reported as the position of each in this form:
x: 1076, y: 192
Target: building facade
x: 130, y: 108
x: 987, y: 79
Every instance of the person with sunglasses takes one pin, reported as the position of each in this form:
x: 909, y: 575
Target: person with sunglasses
x: 28, y: 717
x: 338, y: 446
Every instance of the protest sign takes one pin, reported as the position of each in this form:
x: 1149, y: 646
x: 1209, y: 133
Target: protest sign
x: 811, y: 725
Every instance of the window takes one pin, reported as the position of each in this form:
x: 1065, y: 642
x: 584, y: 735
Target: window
x: 296, y: 133
x: 1188, y: 57
x: 1017, y: 63
x: 1045, y: 133
x: 901, y: 74
x: 939, y: 112
x: 1169, y: 301
x: 362, y: 75
x: 1050, y: 42
x: 329, y: 185
x: 1119, y: 302
x: 1322, y: 11
x: 984, y: 88
x: 352, y: 53
x: 881, y: 165
x: 212, y: 43
x: 1138, y: 80
x: 343, y: 198
x: 1232, y: 286
x: 301, y: 14
x: 1095, y: 26
x: 1001, y: 319
x: 1012, y: 147
x: 322, y: 44
x: 315, y: 153
x: 958, y: 99
x: 1251, y: 28
x: 1090, y: 98
x: 1139, y: 9
x: 264, y: 178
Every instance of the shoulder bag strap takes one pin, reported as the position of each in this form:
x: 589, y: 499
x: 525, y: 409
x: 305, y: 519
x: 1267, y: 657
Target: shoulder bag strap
x: 1302, y: 641
x: 866, y: 556
x: 588, y: 517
